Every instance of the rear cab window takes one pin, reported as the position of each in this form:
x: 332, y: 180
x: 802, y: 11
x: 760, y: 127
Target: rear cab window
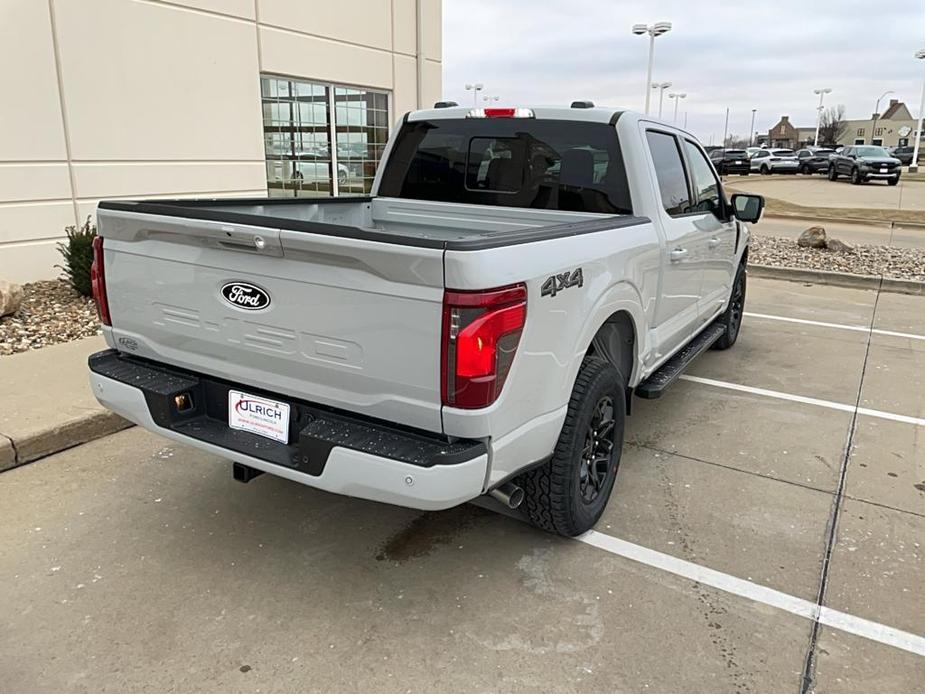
x: 517, y: 162
x: 669, y: 172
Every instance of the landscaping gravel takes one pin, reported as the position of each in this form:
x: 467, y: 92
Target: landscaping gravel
x: 899, y: 263
x: 51, y: 312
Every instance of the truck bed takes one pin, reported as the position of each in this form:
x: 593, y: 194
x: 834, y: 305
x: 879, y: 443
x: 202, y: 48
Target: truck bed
x: 418, y: 223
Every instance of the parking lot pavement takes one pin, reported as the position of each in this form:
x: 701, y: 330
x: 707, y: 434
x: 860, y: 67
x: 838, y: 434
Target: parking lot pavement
x: 133, y: 563
x: 818, y: 191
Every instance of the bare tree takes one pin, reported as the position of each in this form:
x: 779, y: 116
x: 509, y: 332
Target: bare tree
x: 832, y: 125
x: 736, y: 142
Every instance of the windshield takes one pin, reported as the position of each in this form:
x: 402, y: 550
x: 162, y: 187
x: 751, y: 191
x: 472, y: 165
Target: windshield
x: 515, y: 162
x: 782, y: 152
x: 735, y: 153
x: 870, y: 151
x: 819, y: 152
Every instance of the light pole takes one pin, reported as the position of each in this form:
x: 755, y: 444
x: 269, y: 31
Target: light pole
x: 919, y: 122
x: 751, y: 130
x: 652, y: 30
x: 475, y: 89
x: 661, y: 86
x: 873, y: 128
x: 677, y: 98
x: 725, y: 129
x: 821, y: 92
x: 490, y: 98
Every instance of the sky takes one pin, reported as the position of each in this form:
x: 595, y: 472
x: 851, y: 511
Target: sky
x: 743, y: 55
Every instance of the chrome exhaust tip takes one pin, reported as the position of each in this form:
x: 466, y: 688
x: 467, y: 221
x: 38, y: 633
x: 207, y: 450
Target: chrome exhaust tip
x: 508, y: 494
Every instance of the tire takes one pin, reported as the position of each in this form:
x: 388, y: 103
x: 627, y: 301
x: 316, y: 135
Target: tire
x: 833, y: 174
x: 805, y: 170
x: 732, y: 316
x: 563, y: 496
x: 765, y: 171
x: 856, y: 177
x: 892, y: 181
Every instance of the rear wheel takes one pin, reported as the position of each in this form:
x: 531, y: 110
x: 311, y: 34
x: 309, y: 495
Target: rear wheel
x: 833, y: 174
x: 732, y: 316
x: 765, y: 171
x: 855, y: 177
x: 568, y: 494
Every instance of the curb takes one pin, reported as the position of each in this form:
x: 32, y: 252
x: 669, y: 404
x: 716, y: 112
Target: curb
x: 838, y: 279
x: 39, y: 444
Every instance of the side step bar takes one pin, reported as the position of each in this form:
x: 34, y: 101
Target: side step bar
x: 668, y: 373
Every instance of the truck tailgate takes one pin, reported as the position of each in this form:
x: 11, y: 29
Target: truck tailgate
x: 350, y: 323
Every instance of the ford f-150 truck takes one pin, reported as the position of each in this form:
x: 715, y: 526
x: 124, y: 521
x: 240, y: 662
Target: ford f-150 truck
x: 478, y: 325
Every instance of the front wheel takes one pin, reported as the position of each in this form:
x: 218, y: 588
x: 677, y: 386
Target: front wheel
x: 856, y: 177
x: 765, y: 171
x: 892, y: 181
x: 833, y: 174
x: 732, y: 316
x: 568, y: 494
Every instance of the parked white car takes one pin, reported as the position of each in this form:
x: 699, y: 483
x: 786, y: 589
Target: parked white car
x: 768, y: 161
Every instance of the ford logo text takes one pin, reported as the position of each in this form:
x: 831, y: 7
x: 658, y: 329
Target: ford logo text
x: 246, y: 296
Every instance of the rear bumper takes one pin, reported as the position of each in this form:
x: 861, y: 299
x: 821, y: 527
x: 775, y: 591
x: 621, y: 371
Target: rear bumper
x: 333, y: 451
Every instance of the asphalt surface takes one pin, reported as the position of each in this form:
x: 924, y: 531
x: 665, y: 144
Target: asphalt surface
x: 818, y: 191
x: 132, y: 564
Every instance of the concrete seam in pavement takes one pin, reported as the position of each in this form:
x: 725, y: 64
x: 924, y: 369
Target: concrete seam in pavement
x: 839, y: 279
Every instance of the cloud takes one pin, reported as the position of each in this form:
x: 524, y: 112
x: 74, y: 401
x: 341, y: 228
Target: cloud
x: 768, y: 56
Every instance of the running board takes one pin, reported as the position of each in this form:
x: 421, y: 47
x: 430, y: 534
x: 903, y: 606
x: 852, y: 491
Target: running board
x: 668, y: 373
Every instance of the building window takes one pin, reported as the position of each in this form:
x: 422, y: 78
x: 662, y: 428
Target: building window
x: 878, y: 131
x: 859, y: 141
x: 877, y: 141
x: 860, y: 132
x: 300, y: 119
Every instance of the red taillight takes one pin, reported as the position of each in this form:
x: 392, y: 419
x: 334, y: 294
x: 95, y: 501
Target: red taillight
x: 481, y: 331
x: 503, y: 112
x: 499, y: 112
x: 98, y: 282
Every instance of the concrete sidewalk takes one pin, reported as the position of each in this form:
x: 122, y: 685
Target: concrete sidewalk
x: 47, y: 405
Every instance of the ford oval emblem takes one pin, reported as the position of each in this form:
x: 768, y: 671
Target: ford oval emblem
x: 247, y: 296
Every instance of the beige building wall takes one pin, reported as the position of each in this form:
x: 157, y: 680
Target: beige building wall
x: 148, y: 98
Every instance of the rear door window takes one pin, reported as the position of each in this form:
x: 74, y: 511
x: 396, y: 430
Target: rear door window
x: 669, y: 171
x: 516, y: 162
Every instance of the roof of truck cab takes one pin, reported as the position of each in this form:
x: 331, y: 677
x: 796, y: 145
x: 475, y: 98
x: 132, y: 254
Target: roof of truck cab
x: 598, y: 114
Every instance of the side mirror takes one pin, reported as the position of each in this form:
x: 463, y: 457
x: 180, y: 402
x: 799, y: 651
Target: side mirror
x: 747, y: 208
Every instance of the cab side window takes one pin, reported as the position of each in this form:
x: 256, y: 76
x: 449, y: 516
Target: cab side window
x: 708, y: 196
x: 669, y: 170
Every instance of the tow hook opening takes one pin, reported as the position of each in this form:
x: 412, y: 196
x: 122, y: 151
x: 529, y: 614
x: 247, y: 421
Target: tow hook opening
x: 244, y: 473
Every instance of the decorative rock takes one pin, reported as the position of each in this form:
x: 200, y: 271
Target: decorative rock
x: 836, y: 245
x: 814, y: 237
x: 10, y: 298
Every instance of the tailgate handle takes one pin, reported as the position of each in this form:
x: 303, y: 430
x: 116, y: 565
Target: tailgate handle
x: 257, y: 243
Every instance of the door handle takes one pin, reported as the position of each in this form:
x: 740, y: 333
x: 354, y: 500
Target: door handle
x: 713, y: 242
x: 676, y: 255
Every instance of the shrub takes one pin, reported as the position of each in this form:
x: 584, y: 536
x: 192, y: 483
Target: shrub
x: 78, y: 256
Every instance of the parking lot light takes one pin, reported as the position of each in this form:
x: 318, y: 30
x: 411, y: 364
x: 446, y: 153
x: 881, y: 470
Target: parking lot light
x: 652, y: 30
x: 919, y: 121
x: 661, y: 86
x: 677, y: 97
x: 821, y: 92
x: 475, y: 89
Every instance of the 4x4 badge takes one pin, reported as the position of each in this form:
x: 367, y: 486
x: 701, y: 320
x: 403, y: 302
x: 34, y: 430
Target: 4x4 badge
x: 556, y: 283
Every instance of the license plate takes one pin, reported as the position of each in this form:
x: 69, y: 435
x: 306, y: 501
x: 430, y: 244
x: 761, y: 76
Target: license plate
x: 258, y: 415
x: 883, y: 170
x: 738, y: 161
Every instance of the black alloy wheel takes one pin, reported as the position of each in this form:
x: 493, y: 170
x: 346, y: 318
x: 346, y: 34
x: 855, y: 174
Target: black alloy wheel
x: 597, y: 452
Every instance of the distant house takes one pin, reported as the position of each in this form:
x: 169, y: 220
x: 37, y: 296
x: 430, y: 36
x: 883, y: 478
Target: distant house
x: 895, y: 127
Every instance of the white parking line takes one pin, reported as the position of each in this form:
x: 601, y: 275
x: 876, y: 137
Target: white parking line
x: 866, y: 411
x: 838, y: 326
x: 758, y: 593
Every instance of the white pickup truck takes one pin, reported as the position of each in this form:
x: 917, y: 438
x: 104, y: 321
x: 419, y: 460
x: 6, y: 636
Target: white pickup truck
x: 478, y: 325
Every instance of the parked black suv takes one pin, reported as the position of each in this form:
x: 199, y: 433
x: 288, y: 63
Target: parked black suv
x: 904, y: 154
x: 730, y: 161
x: 814, y: 159
x: 864, y: 163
